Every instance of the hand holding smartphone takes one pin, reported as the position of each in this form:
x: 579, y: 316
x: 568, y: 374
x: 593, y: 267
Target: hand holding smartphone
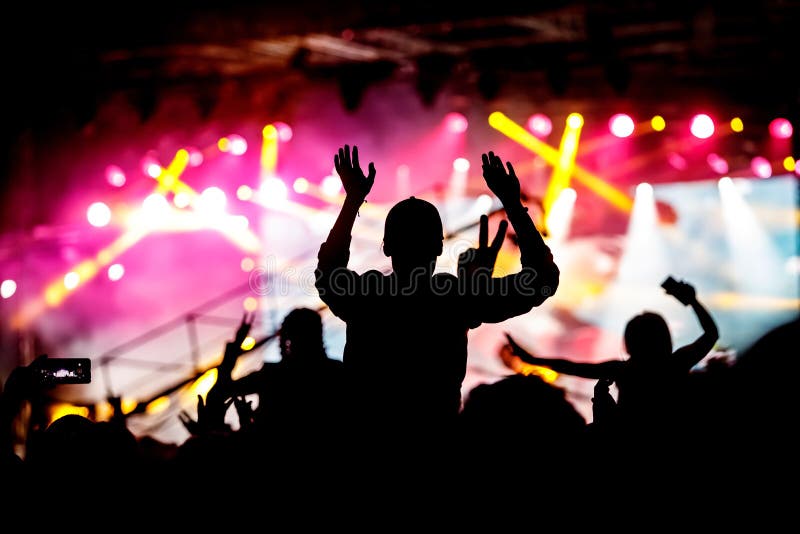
x: 680, y: 290
x: 55, y: 371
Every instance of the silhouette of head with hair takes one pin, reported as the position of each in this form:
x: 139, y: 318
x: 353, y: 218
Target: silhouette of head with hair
x: 648, y: 333
x: 413, y: 235
x: 301, y: 336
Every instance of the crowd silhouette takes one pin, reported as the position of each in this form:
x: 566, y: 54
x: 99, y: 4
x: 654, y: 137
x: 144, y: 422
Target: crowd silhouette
x: 392, y: 408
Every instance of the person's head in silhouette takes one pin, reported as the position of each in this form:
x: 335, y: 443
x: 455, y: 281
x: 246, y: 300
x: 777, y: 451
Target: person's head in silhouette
x: 647, y: 335
x: 413, y: 236
x: 301, y: 336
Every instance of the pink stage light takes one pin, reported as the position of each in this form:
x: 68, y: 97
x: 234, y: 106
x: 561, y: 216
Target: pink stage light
x: 621, y: 125
x: 237, y: 145
x: 781, y: 128
x: 195, y: 157
x: 456, y: 122
x: 98, y: 214
x: 702, y: 126
x: 153, y: 170
x: 761, y: 167
x: 115, y: 176
x: 717, y: 163
x: 676, y: 161
x: 285, y: 132
x: 540, y: 125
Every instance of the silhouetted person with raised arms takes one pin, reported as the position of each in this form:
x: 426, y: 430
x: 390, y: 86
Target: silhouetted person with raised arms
x: 651, y: 380
x: 406, y: 349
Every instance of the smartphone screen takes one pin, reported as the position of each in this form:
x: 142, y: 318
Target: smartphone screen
x: 54, y: 371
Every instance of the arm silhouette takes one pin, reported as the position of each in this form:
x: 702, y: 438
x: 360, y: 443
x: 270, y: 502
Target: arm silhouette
x: 332, y: 276
x: 607, y: 369
x: 692, y: 353
x: 516, y: 294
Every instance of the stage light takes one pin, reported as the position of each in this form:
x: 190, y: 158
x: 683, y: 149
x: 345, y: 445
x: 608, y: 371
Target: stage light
x: 621, y: 125
x: 269, y: 151
x: 780, y: 128
x: 658, y: 123
x: 331, y: 185
x: 273, y: 192
x: 247, y: 264
x: 575, y: 120
x: 702, y: 126
x: 244, y: 192
x: 540, y: 125
x: 238, y: 145
x: 224, y: 144
x: 677, y: 162
x: 248, y: 343
x: 250, y: 304
x: 181, y: 200
x: 736, y: 124
x: 300, y: 185
x: 157, y: 406
x: 761, y: 167
x: 461, y: 165
x: 456, y: 122
x: 644, y: 259
x: 789, y: 163
x: 644, y: 191
x: 155, y: 208
x: 153, y: 170
x: 559, y: 217
x: 8, y: 288
x: 115, y: 272
x: 717, y: 163
x: 195, y: 157
x: 285, y: 132
x: 483, y: 204
x: 212, y: 201
x: 98, y: 214
x: 71, y: 280
x: 115, y: 176
x: 239, y: 223
x: 203, y: 385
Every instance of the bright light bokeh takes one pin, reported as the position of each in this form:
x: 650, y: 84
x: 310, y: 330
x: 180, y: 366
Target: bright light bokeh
x: 717, y: 163
x: 575, y: 120
x: 702, y: 126
x: 248, y: 343
x: 195, y: 157
x: 244, y: 192
x: 761, y: 167
x: 483, y: 203
x: 181, y: 200
x: 331, y: 185
x: 8, y: 288
x: 300, y: 185
x: 621, y: 125
x: 115, y: 272
x: 456, y: 122
x: 658, y: 123
x: 285, y: 132
x: 212, y: 201
x: 155, y: 208
x: 677, y: 162
x: 238, y: 145
x: 461, y: 165
x: 250, y: 304
x: 98, y: 214
x: 247, y: 264
x: 71, y: 280
x: 115, y: 176
x: 224, y: 144
x: 153, y: 170
x: 273, y: 192
x: 540, y: 125
x: 789, y: 163
x: 559, y: 218
x: 781, y: 128
x: 737, y: 125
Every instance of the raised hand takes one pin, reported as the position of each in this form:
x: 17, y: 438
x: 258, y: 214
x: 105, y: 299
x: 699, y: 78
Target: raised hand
x: 355, y: 184
x: 483, y: 258
x: 505, y: 185
x: 210, y: 418
x: 681, y: 290
x: 244, y: 409
x: 234, y: 348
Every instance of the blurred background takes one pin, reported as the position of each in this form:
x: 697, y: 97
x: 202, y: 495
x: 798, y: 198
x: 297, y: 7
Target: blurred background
x: 168, y: 166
